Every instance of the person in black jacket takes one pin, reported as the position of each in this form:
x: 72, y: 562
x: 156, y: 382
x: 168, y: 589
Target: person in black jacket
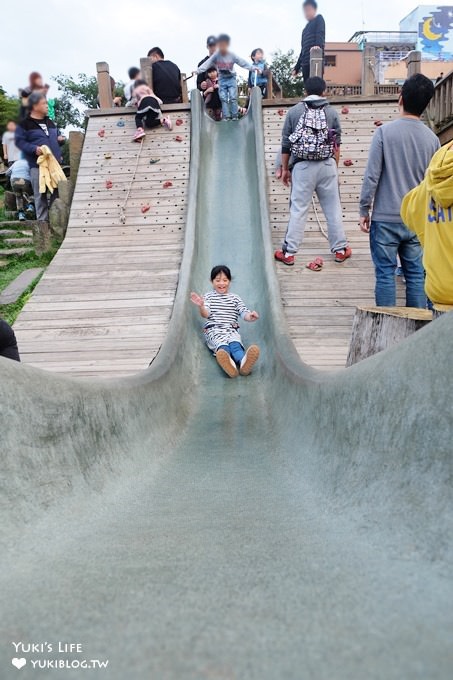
x: 8, y: 342
x: 35, y: 131
x: 211, y: 44
x: 313, y: 35
x: 166, y: 78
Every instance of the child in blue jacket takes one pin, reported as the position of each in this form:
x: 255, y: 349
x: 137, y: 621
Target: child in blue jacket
x: 259, y: 77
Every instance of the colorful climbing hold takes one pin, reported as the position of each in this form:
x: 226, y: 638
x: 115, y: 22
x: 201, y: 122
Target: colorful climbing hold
x: 120, y: 123
x: 109, y: 184
x: 107, y: 156
x: 178, y: 138
x: 101, y: 132
x: 378, y: 123
x: 281, y: 112
x: 167, y: 185
x: 153, y: 161
x: 348, y: 162
x: 179, y: 122
x: 146, y: 208
x: 345, y: 110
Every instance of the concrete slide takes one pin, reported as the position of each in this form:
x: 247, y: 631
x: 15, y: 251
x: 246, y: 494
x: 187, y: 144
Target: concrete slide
x: 291, y: 525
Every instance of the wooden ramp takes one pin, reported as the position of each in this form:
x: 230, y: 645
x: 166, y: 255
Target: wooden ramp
x: 103, y: 306
x: 320, y: 306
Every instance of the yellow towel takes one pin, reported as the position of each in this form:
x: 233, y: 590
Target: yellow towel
x: 50, y: 172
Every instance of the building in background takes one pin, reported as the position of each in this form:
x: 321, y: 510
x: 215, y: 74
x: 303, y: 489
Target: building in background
x: 433, y: 25
x: 342, y: 63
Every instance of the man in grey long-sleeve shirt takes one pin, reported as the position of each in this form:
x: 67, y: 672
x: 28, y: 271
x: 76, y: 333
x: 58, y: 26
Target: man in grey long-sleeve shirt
x: 399, y: 155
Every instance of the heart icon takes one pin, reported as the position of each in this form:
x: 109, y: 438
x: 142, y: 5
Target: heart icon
x: 19, y: 663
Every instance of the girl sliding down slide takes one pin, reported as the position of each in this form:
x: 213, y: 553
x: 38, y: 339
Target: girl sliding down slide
x: 221, y: 311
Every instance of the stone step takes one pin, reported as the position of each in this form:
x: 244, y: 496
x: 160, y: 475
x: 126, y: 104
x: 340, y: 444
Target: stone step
x: 15, y: 252
x: 16, y: 224
x: 25, y: 241
x: 3, y: 264
x: 4, y: 233
x: 16, y: 288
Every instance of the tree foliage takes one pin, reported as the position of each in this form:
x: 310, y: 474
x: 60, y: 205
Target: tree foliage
x: 9, y: 109
x: 77, y: 95
x: 282, y: 66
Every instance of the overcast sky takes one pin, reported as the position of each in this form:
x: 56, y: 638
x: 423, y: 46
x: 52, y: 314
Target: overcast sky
x: 71, y: 36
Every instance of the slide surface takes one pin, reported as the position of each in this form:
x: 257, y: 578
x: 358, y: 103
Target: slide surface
x: 185, y: 526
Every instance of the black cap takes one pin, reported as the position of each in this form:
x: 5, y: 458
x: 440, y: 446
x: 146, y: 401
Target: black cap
x: 212, y: 40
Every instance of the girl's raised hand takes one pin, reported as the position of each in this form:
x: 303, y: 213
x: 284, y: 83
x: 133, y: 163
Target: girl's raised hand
x: 254, y: 316
x: 197, y: 299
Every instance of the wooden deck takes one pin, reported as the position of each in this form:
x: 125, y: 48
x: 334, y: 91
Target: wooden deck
x: 103, y: 306
x: 319, y: 306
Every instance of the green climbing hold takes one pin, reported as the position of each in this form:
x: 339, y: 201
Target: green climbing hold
x: 153, y: 161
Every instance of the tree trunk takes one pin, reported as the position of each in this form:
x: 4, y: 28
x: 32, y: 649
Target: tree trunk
x: 377, y: 328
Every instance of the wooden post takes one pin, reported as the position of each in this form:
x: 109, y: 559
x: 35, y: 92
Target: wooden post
x: 104, y: 85
x: 414, y: 63
x: 377, y: 328
x: 270, y: 85
x: 316, y: 62
x: 146, y: 69
x: 368, y: 71
x: 184, y: 89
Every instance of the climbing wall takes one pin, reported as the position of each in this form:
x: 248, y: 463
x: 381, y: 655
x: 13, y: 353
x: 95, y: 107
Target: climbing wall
x: 103, y: 306
x: 319, y: 306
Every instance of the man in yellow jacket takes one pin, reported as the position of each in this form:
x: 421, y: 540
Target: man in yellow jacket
x: 428, y: 210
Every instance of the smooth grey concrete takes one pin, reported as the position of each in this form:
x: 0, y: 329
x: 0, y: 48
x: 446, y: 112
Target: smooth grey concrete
x: 293, y: 525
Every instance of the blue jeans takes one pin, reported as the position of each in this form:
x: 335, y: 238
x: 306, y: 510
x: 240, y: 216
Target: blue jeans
x: 387, y: 240
x: 228, y: 93
x: 235, y: 350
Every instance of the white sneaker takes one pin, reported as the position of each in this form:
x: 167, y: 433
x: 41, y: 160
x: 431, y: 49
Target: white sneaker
x: 226, y: 363
x: 251, y: 357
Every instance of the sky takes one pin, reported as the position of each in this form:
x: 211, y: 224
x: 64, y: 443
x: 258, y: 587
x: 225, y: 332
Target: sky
x: 71, y: 36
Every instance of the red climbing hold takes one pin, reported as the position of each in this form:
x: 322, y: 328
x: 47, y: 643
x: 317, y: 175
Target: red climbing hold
x: 378, y: 123
x: 348, y: 162
x: 179, y: 122
x: 178, y: 138
x: 101, y: 132
x: 345, y: 110
x: 167, y: 185
x: 109, y: 184
x: 146, y: 208
x: 281, y: 112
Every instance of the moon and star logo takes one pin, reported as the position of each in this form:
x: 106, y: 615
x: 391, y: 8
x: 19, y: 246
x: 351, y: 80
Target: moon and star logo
x: 435, y: 30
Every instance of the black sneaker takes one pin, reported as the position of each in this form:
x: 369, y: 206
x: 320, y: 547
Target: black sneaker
x: 21, y: 216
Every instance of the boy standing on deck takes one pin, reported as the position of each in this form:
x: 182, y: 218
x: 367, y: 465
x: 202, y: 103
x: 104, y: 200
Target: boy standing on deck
x: 224, y: 60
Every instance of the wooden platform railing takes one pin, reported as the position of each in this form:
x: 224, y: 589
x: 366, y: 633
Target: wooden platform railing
x: 440, y: 110
x: 146, y: 67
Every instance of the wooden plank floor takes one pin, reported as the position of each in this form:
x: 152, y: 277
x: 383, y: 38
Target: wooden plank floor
x: 103, y: 306
x: 319, y: 306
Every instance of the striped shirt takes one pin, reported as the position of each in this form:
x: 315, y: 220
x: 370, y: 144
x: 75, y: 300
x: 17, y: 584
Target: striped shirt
x: 224, y: 310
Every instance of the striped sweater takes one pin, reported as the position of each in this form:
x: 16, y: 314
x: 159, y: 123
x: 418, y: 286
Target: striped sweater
x: 224, y: 310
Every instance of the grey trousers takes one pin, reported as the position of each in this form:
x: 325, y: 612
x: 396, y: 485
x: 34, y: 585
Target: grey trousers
x: 320, y: 177
x: 43, y: 202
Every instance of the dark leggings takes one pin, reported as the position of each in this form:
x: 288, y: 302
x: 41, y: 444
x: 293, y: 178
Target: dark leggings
x: 148, y: 120
x: 8, y: 342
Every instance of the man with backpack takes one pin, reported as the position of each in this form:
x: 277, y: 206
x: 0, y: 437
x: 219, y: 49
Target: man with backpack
x: 310, y: 154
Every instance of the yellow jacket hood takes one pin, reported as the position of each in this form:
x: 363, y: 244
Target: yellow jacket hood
x: 439, y: 176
